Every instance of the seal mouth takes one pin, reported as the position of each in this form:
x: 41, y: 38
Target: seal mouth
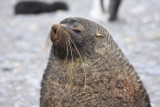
x: 64, y: 42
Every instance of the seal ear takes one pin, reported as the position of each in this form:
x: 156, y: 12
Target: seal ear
x: 98, y: 35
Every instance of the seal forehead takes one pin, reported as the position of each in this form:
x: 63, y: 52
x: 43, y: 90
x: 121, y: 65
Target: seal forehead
x: 74, y: 20
x: 72, y: 23
x: 69, y: 20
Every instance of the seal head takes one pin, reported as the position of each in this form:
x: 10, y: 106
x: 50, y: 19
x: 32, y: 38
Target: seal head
x: 70, y: 38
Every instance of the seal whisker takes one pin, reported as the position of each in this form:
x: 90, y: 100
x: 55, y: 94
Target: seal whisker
x: 63, y: 42
x: 82, y: 63
x: 71, y: 55
x: 47, y: 44
x: 67, y: 51
x: 72, y: 61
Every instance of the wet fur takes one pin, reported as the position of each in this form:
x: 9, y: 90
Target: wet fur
x: 100, y: 74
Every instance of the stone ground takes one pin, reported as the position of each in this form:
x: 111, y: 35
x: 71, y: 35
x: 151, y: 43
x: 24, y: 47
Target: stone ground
x: 23, y: 55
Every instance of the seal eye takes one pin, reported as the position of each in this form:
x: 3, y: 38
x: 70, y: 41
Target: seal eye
x: 77, y: 30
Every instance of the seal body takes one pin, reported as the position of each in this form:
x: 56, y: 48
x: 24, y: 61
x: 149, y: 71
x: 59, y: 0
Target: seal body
x: 35, y: 7
x: 86, y: 68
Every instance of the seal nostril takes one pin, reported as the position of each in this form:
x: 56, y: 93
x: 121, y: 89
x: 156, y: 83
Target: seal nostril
x: 54, y: 29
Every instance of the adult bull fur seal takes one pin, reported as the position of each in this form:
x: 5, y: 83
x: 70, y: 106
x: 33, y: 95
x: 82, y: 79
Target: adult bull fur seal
x: 86, y: 68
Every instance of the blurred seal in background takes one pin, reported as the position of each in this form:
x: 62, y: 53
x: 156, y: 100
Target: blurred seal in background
x: 35, y: 7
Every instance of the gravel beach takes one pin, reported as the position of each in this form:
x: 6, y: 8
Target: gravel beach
x: 23, y: 54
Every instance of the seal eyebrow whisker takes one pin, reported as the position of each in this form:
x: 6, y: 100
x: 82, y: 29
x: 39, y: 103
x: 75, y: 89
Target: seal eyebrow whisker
x: 82, y: 64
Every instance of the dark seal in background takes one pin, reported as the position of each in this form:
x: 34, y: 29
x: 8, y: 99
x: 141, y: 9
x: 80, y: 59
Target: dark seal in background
x: 35, y: 7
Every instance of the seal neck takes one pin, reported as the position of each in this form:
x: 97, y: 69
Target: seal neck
x: 110, y: 50
x: 114, y: 54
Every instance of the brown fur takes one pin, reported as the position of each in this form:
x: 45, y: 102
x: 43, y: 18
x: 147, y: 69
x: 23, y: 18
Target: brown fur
x: 85, y: 70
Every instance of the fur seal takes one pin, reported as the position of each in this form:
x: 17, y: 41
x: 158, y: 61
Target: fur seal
x: 86, y: 68
x: 35, y: 7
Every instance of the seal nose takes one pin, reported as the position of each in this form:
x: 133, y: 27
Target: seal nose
x: 54, y: 28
